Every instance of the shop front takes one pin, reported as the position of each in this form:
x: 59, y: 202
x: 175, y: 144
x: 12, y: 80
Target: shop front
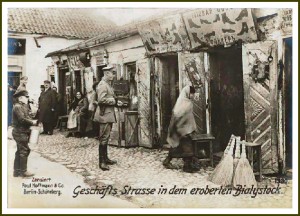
x: 234, y: 57
x: 235, y: 68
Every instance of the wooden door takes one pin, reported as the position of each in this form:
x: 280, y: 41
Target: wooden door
x: 192, y: 71
x: 260, y: 100
x: 144, y: 102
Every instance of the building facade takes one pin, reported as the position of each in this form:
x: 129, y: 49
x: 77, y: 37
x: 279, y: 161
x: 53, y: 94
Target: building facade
x: 241, y: 60
x: 34, y: 32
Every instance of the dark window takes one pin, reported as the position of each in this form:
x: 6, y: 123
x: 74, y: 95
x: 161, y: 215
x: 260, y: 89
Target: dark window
x: 16, y: 46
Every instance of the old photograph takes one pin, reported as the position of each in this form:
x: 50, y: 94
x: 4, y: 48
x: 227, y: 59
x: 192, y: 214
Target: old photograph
x: 149, y: 107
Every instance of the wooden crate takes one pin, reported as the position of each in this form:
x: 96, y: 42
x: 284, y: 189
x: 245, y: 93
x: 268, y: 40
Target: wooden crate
x: 131, y: 128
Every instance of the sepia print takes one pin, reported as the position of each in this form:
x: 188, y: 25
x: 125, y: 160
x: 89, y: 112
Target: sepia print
x: 149, y: 107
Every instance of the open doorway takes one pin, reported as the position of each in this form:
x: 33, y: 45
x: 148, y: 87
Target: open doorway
x: 227, y: 96
x: 288, y: 43
x: 169, y: 91
x: 65, y: 83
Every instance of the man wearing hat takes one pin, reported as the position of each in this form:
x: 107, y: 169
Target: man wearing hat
x: 21, y: 132
x: 47, y: 104
x: 105, y: 114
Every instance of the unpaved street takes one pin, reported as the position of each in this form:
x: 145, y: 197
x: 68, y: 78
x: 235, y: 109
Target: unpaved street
x: 75, y: 162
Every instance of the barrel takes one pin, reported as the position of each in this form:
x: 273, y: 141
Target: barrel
x: 34, y: 135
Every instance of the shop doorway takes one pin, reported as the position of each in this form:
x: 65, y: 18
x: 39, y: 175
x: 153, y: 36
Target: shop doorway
x: 169, y: 90
x: 227, y: 96
x: 288, y: 43
x: 65, y: 89
x: 78, y: 82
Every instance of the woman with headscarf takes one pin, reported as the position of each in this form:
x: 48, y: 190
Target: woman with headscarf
x: 78, y: 116
x: 182, y: 125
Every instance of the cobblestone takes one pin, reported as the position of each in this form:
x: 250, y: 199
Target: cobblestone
x: 142, y: 168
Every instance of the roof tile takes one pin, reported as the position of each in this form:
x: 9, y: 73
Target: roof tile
x: 68, y: 22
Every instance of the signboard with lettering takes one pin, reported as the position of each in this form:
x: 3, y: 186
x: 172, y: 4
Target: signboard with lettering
x: 165, y: 35
x: 99, y: 57
x: 74, y: 62
x: 286, y: 20
x: 16, y: 46
x: 214, y: 27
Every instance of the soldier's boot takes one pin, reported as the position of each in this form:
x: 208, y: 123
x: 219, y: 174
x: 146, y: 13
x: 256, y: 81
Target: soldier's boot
x: 107, y: 160
x: 102, y: 162
x: 17, y: 165
x: 26, y: 174
x: 23, y: 167
x: 16, y: 173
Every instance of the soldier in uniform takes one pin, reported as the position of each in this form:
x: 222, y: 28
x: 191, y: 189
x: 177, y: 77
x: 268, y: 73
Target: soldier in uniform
x: 21, y: 131
x: 105, y: 114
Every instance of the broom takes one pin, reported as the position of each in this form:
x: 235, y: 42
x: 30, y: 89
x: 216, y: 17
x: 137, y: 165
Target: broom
x: 215, y: 172
x: 244, y: 175
x: 222, y: 175
x: 237, y: 154
x: 213, y: 175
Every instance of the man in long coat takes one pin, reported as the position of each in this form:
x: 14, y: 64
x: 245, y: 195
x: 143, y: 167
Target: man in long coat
x: 47, y: 108
x: 105, y: 114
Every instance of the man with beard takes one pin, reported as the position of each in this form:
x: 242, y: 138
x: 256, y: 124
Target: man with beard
x: 47, y: 108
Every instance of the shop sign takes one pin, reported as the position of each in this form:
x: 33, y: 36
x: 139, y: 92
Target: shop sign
x: 286, y: 20
x: 165, y: 35
x: 214, y: 27
x: 100, y: 57
x: 74, y: 62
x: 100, y: 60
x: 16, y: 46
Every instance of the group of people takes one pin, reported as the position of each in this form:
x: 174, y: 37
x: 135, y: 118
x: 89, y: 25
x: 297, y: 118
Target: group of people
x: 99, y: 108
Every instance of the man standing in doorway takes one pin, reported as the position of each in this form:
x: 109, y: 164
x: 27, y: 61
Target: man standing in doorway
x: 105, y: 114
x: 47, y: 108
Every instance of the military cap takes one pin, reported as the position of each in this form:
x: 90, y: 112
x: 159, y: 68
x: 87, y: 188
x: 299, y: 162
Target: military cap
x: 47, y: 81
x: 108, y: 67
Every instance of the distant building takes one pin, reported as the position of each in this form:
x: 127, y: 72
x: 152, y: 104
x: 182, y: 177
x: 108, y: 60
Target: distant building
x: 34, y: 32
